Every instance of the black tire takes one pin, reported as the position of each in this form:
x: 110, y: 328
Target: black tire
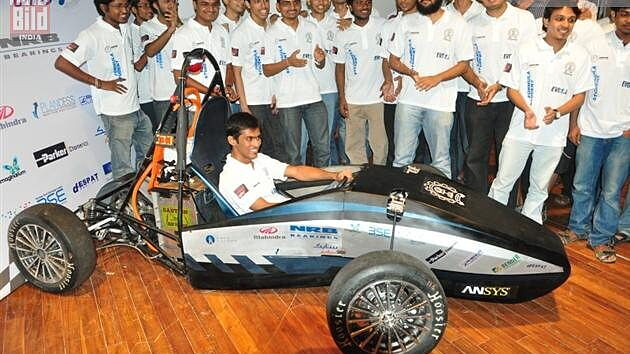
x: 409, y: 285
x: 44, y: 231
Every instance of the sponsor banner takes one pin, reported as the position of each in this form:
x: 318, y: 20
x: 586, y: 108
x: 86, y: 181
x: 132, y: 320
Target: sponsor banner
x: 52, y: 146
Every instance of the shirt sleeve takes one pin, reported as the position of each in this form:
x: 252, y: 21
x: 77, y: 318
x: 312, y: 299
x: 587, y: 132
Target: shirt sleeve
x: 511, y: 73
x: 180, y: 46
x: 239, y: 193
x: 236, y: 48
x: 338, y: 55
x: 275, y: 168
x: 81, y: 50
x: 228, y: 48
x: 396, y: 44
x: 464, y: 47
x: 584, y: 80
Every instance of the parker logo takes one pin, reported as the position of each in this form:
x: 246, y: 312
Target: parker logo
x: 50, y: 154
x: 489, y: 291
x: 439, y: 254
x: 13, y: 169
x: 6, y: 112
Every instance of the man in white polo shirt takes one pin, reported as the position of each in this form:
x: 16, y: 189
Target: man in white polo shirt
x: 254, y: 88
x: 430, y: 48
x: 294, y: 53
x: 247, y: 179
x: 363, y: 76
x: 469, y: 9
x: 158, y: 44
x: 496, y: 33
x: 233, y: 15
x: 327, y: 25
x: 547, y: 78
x: 602, y: 134
x: 106, y: 48
x: 199, y: 32
x: 141, y: 10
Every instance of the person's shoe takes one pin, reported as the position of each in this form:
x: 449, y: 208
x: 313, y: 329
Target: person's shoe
x: 621, y: 237
x: 568, y: 236
x: 561, y: 200
x: 605, y: 253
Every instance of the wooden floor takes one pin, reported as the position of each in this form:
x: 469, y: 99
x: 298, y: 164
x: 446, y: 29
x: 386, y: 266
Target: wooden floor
x: 131, y: 305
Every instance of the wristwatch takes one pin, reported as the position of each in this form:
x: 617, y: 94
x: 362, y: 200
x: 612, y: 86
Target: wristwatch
x: 558, y: 114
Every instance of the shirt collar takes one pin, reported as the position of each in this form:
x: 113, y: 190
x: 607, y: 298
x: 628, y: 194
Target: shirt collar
x: 109, y: 27
x: 367, y: 25
x: 542, y: 45
x: 614, y: 40
x: 289, y: 28
x: 198, y: 26
x: 251, y: 22
x: 507, y: 14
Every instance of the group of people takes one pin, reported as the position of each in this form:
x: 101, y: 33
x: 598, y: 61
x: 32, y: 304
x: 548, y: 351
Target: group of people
x: 434, y: 82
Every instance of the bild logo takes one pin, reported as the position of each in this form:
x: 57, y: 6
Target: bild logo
x: 13, y: 169
x: 30, y: 17
x: 50, y: 154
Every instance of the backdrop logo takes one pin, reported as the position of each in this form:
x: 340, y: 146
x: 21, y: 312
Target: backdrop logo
x: 50, y: 154
x: 56, y: 196
x: 99, y: 131
x: 107, y: 168
x: 84, y: 183
x: 56, y: 105
x: 30, y: 17
x: 85, y: 100
x: 13, y: 169
x: 6, y: 112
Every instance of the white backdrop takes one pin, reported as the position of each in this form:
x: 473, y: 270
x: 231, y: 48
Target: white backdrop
x: 42, y: 110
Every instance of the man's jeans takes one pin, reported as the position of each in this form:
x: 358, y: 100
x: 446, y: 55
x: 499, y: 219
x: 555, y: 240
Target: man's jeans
x: 123, y: 132
x: 409, y: 122
x: 512, y: 160
x: 482, y: 124
x: 624, y: 222
x: 271, y: 127
x: 459, y: 137
x: 315, y: 117
x: 599, y: 217
x: 335, y: 122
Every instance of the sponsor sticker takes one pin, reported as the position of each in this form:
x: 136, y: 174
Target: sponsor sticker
x: 50, y: 154
x: 240, y: 191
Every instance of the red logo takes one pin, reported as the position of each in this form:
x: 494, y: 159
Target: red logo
x: 268, y: 230
x: 6, y: 112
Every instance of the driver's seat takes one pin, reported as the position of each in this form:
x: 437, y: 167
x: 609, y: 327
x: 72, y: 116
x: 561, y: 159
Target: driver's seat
x: 210, y: 149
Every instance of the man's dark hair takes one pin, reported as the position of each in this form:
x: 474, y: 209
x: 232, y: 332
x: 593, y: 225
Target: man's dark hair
x: 239, y: 122
x: 549, y: 10
x: 98, y: 4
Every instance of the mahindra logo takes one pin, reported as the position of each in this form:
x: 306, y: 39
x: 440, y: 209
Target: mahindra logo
x: 6, y: 112
x: 268, y: 230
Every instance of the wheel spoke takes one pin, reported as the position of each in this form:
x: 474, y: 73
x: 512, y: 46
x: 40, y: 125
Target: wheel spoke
x: 369, y: 319
x: 412, y: 307
x: 359, y: 309
x: 367, y: 340
x: 378, y: 343
x: 25, y: 239
x: 24, y: 249
x: 378, y: 298
x: 400, y: 341
x: 356, y: 333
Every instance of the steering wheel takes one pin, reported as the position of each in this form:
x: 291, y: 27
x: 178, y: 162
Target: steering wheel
x: 338, y: 184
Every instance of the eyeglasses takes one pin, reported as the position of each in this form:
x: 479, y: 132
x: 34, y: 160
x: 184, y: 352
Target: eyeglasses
x: 125, y: 5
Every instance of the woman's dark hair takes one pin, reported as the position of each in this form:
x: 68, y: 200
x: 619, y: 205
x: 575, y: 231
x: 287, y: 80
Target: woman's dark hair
x: 98, y: 4
x: 549, y: 10
x: 239, y: 122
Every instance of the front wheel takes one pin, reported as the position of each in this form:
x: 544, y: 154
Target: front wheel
x: 52, y: 248
x: 386, y: 302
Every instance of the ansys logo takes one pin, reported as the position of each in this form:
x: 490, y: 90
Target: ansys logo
x: 14, y: 170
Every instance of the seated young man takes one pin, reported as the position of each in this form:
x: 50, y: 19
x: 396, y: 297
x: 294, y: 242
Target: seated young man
x: 247, y: 178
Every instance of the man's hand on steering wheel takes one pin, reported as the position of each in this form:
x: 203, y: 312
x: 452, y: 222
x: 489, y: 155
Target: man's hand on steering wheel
x: 344, y: 175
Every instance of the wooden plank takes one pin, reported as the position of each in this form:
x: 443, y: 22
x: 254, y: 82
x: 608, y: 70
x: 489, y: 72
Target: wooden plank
x: 15, y: 321
x: 3, y: 321
x: 52, y: 316
x: 232, y: 321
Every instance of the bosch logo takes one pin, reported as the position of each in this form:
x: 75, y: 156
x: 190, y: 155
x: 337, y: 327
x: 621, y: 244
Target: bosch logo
x: 50, y: 154
x: 6, y: 112
x: 268, y: 230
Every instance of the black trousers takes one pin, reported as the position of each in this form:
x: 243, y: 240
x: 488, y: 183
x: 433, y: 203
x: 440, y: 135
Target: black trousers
x: 388, y: 117
x: 271, y: 130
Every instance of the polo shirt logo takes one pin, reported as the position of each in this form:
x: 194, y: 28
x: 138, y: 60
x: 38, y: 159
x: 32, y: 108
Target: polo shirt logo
x: 513, y: 34
x: 330, y: 35
x: 109, y: 48
x: 222, y: 42
x: 144, y: 38
x: 240, y: 191
x: 379, y: 40
x: 235, y: 52
x: 448, y: 34
x: 174, y: 54
x: 73, y: 47
x: 625, y: 84
x: 508, y: 68
x: 197, y: 44
x: 309, y: 37
x: 569, y: 68
x: 262, y: 50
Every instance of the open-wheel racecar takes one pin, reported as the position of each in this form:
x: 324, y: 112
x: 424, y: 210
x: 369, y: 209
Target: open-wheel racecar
x: 392, y: 243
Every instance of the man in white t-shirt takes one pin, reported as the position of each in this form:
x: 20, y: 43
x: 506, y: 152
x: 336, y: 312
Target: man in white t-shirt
x: 106, y: 48
x: 233, y: 15
x: 363, y: 76
x: 142, y: 13
x: 254, y: 88
x: 199, y: 32
x: 293, y: 52
x: 430, y: 48
x: 247, y: 179
x: 327, y: 25
x: 157, y: 41
x: 602, y: 133
x: 547, y: 78
x: 496, y: 33
x: 468, y: 9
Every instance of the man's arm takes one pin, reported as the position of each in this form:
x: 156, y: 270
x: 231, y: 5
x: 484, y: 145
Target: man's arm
x: 62, y: 64
x: 428, y: 82
x: 240, y: 88
x: 520, y: 103
x: 275, y: 68
x: 308, y: 173
x: 260, y: 203
x: 156, y: 46
x: 340, y: 79
x: 190, y: 82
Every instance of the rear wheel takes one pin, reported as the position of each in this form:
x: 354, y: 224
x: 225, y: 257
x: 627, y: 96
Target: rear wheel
x: 386, y: 302
x: 52, y: 247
